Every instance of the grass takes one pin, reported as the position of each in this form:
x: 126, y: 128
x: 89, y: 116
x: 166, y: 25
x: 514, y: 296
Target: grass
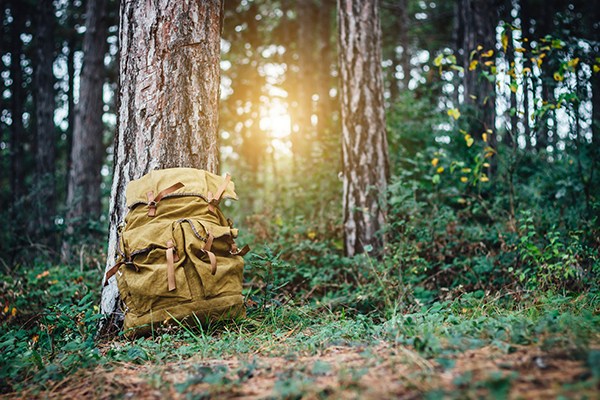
x: 466, y: 348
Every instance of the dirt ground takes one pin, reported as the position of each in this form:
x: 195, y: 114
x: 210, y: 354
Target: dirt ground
x: 348, y: 371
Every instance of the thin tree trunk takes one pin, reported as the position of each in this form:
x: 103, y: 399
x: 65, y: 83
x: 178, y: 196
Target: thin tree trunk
x: 168, y: 112
x: 71, y: 95
x: 84, y: 198
x: 17, y: 137
x: 595, y: 81
x: 364, y: 142
x: 302, y: 144
x: 324, y: 51
x: 511, y: 136
x: 525, y: 28
x: 45, y: 198
x: 403, y: 22
x: 2, y: 101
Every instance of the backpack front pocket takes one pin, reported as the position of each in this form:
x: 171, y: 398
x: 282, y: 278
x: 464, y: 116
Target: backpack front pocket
x: 155, y: 276
x: 220, y: 271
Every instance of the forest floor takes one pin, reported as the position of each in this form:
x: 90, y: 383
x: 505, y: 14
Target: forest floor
x: 381, y: 371
x: 443, y: 352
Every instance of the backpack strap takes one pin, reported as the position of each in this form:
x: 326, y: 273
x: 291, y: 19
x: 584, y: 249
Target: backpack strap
x: 234, y: 249
x: 212, y: 200
x: 111, y: 272
x: 171, y: 265
x: 152, y: 201
x: 211, y: 255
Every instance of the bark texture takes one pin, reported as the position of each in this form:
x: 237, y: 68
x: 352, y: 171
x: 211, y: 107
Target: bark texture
x: 364, y: 142
x: 87, y: 154
x: 45, y: 196
x: 169, y: 98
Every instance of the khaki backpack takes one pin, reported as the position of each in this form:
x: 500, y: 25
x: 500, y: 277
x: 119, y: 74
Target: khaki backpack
x: 177, y: 257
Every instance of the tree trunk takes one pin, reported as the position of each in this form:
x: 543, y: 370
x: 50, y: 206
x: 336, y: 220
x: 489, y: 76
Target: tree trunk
x: 87, y: 154
x: 364, y: 142
x: 324, y: 51
x: 527, y: 86
x: 595, y: 82
x: 511, y: 137
x: 168, y: 110
x: 45, y: 198
x: 72, y: 35
x: 403, y: 21
x: 17, y: 134
x: 479, y: 19
x: 305, y: 49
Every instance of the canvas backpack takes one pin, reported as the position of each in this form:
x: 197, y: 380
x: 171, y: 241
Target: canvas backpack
x: 177, y: 259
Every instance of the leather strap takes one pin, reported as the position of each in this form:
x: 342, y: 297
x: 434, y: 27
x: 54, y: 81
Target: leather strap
x: 111, y: 272
x: 212, y: 200
x: 211, y: 255
x: 152, y: 201
x: 234, y: 249
x: 170, y: 266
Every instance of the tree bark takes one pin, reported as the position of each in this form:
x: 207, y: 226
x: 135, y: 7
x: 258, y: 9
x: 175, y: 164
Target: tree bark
x: 364, y: 142
x: 168, y: 110
x: 87, y: 154
x: 45, y: 198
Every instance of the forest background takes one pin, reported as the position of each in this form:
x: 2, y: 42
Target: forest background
x: 493, y: 128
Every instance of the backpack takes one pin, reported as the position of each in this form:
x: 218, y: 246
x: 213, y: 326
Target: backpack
x: 176, y: 252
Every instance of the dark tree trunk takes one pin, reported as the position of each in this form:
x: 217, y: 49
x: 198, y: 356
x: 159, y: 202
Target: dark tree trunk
x: 17, y: 136
x: 595, y: 80
x: 3, y: 31
x: 527, y: 86
x: 512, y: 135
x: 364, y: 142
x: 399, y: 32
x: 45, y: 196
x: 168, y: 112
x: 71, y: 95
x: 84, y: 198
x: 479, y: 19
x: 458, y: 37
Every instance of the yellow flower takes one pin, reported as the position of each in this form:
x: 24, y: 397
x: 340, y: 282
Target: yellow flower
x: 14, y: 312
x: 484, y: 136
x: 558, y: 77
x: 434, y: 162
x: 454, y: 113
x: 311, y: 235
x: 484, y: 178
x: 440, y: 170
x: 464, y: 179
